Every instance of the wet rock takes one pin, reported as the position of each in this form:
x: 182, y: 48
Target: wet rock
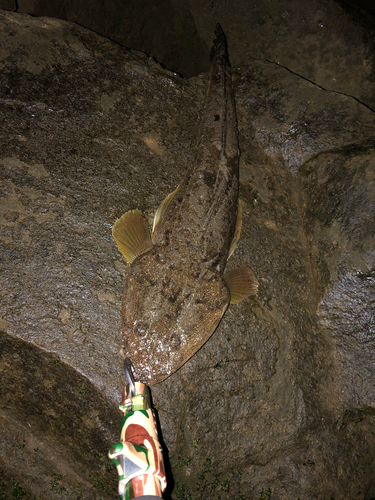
x: 330, y: 43
x: 54, y: 429
x: 279, y: 403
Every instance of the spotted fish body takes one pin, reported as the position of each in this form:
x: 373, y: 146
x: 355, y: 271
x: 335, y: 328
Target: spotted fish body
x: 175, y: 293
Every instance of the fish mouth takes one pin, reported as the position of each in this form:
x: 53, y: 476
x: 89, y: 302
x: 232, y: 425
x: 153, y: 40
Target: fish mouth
x: 148, y: 378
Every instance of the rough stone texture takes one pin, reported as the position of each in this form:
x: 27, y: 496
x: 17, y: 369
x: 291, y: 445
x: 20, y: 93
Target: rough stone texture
x: 329, y: 42
x: 279, y: 403
x: 54, y: 428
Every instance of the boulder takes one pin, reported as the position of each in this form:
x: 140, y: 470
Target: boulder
x: 279, y: 403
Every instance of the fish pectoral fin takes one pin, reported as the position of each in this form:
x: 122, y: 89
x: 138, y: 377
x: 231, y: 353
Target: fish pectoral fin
x: 241, y: 283
x: 237, y: 231
x: 162, y: 209
x: 132, y: 235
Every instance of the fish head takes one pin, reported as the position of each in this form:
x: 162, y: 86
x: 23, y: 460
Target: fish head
x: 168, y: 314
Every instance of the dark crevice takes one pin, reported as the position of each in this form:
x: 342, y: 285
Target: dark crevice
x: 319, y: 86
x: 16, y: 6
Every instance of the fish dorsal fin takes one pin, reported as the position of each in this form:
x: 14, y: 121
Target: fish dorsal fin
x: 132, y: 235
x: 241, y: 283
x: 237, y: 231
x: 162, y: 209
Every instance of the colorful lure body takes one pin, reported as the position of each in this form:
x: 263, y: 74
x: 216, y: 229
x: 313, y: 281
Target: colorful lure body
x: 138, y: 456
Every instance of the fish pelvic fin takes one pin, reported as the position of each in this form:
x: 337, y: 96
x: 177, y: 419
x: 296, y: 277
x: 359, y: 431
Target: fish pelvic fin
x: 241, y: 282
x: 162, y: 209
x: 237, y: 231
x: 132, y: 235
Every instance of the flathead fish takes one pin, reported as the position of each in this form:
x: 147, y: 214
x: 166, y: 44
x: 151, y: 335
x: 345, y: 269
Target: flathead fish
x: 176, y: 292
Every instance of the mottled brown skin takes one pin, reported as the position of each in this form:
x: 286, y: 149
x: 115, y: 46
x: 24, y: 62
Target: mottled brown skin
x: 175, y: 294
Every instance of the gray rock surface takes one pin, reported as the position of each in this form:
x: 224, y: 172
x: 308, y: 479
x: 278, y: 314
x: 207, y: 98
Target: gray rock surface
x: 279, y: 403
x: 329, y: 42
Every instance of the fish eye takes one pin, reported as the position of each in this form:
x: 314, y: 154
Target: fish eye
x: 175, y: 341
x: 141, y: 328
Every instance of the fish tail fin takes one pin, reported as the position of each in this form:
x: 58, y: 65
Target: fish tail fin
x: 220, y: 43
